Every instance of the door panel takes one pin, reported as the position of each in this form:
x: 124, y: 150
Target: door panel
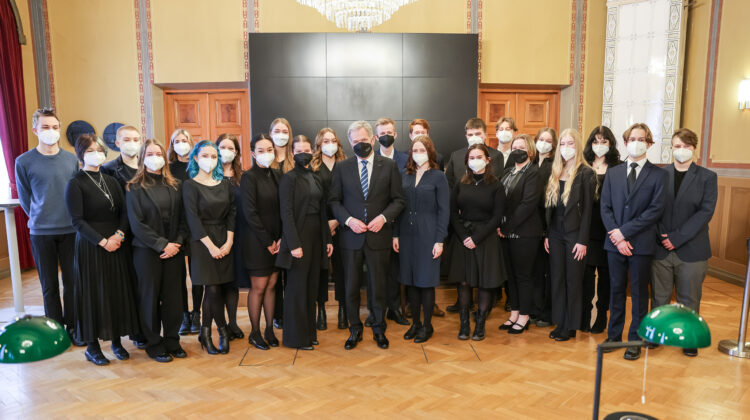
x: 188, y: 111
x: 532, y: 109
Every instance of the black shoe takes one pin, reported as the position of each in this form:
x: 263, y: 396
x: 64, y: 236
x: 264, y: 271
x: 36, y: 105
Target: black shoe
x: 96, y: 358
x: 278, y: 323
x: 505, y: 326
x: 305, y: 348
x: 652, y: 346
x: 412, y: 331
x: 609, y: 340
x: 424, y: 334
x: 381, y: 340
x: 73, y: 340
x: 162, y: 358
x: 465, y: 328
x: 315, y: 342
x: 257, y: 340
x: 223, y: 340
x: 520, y: 329
x: 139, y: 343
x: 560, y: 334
x: 436, y: 311
x: 370, y: 319
x: 690, y: 352
x: 322, y: 323
x: 343, y: 322
x: 120, y: 352
x: 177, y: 353
x: 542, y: 323
x: 195, y: 322
x: 633, y: 353
x: 205, y: 339
x: 600, y: 324
x: 354, y: 338
x: 398, y: 317
x: 270, y: 338
x: 453, y: 308
x: 235, y: 331
x: 185, y: 326
x: 479, y: 327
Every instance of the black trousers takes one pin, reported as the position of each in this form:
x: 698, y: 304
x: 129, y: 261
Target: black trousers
x: 159, y: 298
x: 49, y: 251
x: 639, y: 267
x: 566, y: 282
x: 522, y: 254
x: 278, y: 306
x: 333, y: 273
x: 542, y: 287
x: 377, y: 265
x: 392, y: 285
x: 302, y: 287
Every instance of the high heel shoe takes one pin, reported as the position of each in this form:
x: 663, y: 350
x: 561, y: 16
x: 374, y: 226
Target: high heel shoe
x: 205, y: 339
x: 257, y: 340
x: 235, y: 331
x: 271, y: 338
x: 223, y: 339
x: 513, y: 330
x: 506, y: 326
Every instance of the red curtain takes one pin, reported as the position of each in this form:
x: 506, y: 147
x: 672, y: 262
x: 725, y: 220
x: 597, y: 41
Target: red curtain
x: 13, y: 130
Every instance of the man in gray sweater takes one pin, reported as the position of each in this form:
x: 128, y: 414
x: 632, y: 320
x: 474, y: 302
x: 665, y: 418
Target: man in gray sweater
x: 41, y: 176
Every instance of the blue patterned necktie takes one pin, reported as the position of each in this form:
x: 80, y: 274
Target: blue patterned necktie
x: 365, y: 181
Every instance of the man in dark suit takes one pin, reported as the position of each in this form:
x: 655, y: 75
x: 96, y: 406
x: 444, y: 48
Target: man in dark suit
x: 366, y: 198
x: 632, y: 202
x: 682, y: 254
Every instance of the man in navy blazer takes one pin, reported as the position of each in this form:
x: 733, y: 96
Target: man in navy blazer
x: 683, y: 246
x: 366, y: 198
x: 632, y: 202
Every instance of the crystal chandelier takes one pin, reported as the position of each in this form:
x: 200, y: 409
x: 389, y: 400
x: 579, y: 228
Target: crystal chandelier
x: 356, y: 15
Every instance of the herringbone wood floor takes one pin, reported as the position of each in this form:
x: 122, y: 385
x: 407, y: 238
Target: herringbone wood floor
x: 511, y: 377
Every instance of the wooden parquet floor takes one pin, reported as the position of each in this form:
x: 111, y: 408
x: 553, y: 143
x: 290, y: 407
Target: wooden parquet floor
x: 508, y: 377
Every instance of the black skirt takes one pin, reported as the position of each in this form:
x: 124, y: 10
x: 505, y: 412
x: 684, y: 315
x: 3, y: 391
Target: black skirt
x: 105, y: 306
x: 483, y: 266
x: 204, y: 269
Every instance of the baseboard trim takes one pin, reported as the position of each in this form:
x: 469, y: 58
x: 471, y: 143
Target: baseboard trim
x: 727, y: 276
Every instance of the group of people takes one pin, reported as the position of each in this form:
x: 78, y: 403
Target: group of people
x: 550, y: 221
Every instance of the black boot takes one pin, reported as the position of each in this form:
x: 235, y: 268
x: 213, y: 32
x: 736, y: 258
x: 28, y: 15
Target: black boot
x: 479, y: 327
x: 343, y: 322
x: 205, y: 339
x: 195, y: 322
x: 465, y: 329
x: 223, y: 340
x: 322, y: 323
x: 185, y: 326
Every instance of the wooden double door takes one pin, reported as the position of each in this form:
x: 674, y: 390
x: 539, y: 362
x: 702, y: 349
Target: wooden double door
x: 532, y: 109
x: 208, y: 114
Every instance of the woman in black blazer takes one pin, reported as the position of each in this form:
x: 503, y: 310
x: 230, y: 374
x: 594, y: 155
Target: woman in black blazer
x: 154, y: 201
x: 522, y: 230
x: 260, y: 241
x: 305, y: 245
x: 568, y: 197
x: 546, y: 143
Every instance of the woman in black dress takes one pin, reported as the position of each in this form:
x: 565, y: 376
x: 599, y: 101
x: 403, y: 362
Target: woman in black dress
x: 601, y: 153
x: 281, y: 132
x: 568, y: 197
x: 104, y: 301
x: 231, y: 164
x: 477, y: 204
x: 328, y: 151
x: 261, y: 239
x: 154, y: 200
x: 305, y: 245
x: 522, y: 229
x: 180, y: 145
x: 210, y: 214
x: 420, y: 232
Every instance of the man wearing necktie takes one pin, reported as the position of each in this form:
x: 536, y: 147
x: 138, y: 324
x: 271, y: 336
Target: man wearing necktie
x: 632, y: 202
x: 366, y: 198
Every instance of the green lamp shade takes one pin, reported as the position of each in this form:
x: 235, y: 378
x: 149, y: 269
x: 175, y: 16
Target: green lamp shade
x: 675, y: 325
x: 32, y: 338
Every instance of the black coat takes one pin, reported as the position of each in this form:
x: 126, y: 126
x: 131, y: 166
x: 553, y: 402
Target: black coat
x: 118, y: 169
x: 146, y: 220
x: 456, y: 168
x: 260, y: 209
x: 578, y: 210
x: 521, y: 205
x: 385, y: 197
x: 294, y: 197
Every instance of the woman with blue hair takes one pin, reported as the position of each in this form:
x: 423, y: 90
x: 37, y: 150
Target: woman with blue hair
x: 210, y: 214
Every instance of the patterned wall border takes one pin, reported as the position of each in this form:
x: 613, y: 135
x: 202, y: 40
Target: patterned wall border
x: 571, y: 72
x: 246, y: 41
x: 582, y: 66
x: 142, y: 9
x: 256, y: 16
x: 480, y: 6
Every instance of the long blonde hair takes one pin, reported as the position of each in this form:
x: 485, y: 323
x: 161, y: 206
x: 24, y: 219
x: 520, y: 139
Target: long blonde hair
x: 140, y: 177
x: 553, y: 185
x: 288, y: 164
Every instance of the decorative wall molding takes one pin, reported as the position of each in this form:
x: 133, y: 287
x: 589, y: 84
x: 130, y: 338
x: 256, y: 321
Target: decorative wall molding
x: 145, y: 65
x: 246, y: 50
x: 45, y: 80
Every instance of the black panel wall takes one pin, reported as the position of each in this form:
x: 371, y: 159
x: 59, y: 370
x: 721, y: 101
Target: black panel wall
x: 331, y: 80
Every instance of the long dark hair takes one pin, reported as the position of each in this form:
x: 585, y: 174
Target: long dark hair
x: 468, y: 177
x: 411, y: 166
x: 613, y: 155
x: 236, y: 163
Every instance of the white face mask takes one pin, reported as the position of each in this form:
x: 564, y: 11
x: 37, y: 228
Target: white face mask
x: 600, y: 149
x: 130, y: 148
x: 637, y: 148
x: 153, y: 163
x: 329, y: 149
x: 475, y: 140
x: 181, y: 149
x: 48, y: 137
x: 567, y: 152
x: 543, y: 147
x: 94, y: 159
x: 682, y: 155
x: 477, y: 165
x: 280, y: 139
x: 504, y: 136
x: 227, y: 155
x: 265, y: 159
x: 419, y: 158
x: 207, y: 165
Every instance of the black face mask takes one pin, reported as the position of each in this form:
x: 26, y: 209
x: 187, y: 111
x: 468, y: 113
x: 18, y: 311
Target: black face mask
x: 386, y: 140
x: 302, y: 159
x: 362, y: 149
x: 518, y: 156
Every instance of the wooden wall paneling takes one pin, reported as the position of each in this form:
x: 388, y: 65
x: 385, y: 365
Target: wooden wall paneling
x: 716, y: 225
x: 228, y: 113
x: 736, y: 240
x: 729, y: 230
x: 188, y: 111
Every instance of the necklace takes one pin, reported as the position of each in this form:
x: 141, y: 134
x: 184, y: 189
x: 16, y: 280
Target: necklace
x: 102, y: 186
